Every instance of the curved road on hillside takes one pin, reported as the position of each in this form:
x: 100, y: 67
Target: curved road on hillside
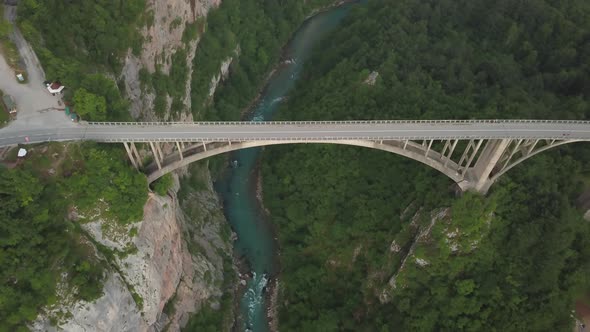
x: 299, y: 131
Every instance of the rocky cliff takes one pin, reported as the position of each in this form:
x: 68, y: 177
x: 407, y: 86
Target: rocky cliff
x: 163, y: 37
x: 161, y: 269
x: 164, y: 268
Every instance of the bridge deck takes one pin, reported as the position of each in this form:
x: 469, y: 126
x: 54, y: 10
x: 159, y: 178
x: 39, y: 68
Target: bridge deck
x: 301, y: 131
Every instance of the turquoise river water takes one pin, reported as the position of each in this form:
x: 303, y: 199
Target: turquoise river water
x: 238, y: 188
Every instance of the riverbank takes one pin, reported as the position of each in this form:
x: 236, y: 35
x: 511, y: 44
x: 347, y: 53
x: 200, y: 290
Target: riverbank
x: 272, y: 304
x: 244, y: 276
x: 271, y: 294
x: 285, y: 58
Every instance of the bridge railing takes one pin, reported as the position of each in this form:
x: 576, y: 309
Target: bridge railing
x: 346, y: 122
x: 327, y: 139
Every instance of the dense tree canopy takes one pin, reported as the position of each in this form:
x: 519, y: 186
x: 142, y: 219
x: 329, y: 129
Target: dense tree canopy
x: 522, y: 253
x: 38, y: 241
x: 252, y: 32
x: 90, y: 106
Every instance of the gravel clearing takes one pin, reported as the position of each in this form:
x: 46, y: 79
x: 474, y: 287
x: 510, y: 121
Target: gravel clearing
x: 36, y: 106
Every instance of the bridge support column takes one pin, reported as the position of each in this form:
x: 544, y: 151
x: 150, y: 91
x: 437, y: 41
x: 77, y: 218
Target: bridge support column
x: 159, y: 148
x: 450, y: 154
x: 137, y: 156
x: 531, y: 145
x: 485, y: 164
x: 428, y: 148
x: 472, y: 156
x: 179, y: 150
x: 507, y: 157
x: 465, y: 154
x: 156, y: 157
x: 130, y: 154
x: 468, y: 156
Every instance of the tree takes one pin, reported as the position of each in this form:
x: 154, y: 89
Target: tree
x: 89, y: 105
x: 163, y: 184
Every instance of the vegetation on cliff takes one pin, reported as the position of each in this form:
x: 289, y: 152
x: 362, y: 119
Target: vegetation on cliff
x: 39, y: 242
x: 522, y: 252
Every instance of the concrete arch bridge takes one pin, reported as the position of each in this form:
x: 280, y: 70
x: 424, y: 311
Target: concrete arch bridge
x: 474, y: 156
x: 473, y: 153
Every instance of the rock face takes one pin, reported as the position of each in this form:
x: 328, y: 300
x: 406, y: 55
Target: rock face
x: 154, y: 266
x: 223, y: 73
x: 162, y: 38
x: 155, y: 270
x: 169, y: 265
x: 206, y: 233
x: 114, y: 311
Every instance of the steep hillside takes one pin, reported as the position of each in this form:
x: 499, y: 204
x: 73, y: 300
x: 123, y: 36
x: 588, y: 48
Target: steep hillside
x: 161, y: 266
x: 372, y: 241
x: 44, y: 254
x: 170, y: 38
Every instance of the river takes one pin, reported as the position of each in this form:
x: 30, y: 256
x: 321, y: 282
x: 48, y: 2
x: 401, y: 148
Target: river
x: 238, y: 187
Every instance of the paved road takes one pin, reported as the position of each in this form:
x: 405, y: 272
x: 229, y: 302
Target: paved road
x: 299, y: 131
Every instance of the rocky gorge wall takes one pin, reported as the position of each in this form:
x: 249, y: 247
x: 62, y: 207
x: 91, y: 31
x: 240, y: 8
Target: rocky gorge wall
x: 166, y: 267
x: 156, y: 278
x: 163, y: 37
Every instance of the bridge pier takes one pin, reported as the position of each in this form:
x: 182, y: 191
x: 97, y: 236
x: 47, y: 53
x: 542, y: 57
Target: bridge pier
x: 156, y: 157
x: 179, y: 150
x: 485, y: 164
x: 130, y: 155
x: 159, y: 148
x: 134, y: 150
x: 448, y: 156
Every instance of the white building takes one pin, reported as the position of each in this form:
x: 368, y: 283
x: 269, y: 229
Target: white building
x: 55, y: 88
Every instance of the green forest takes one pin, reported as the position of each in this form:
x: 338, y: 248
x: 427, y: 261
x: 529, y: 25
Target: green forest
x: 523, y: 252
x: 261, y: 29
x: 38, y: 238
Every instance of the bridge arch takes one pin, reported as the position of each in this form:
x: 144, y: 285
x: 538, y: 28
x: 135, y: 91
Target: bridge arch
x: 511, y: 163
x: 479, y: 166
x: 410, y: 150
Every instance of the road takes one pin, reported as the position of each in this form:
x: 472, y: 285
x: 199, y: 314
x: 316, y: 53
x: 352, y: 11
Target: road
x: 299, y: 131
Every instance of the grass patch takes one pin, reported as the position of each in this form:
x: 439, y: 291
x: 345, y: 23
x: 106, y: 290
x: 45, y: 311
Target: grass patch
x: 133, y: 232
x: 130, y: 250
x: 4, y: 116
x: 136, y: 297
x: 12, y: 155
